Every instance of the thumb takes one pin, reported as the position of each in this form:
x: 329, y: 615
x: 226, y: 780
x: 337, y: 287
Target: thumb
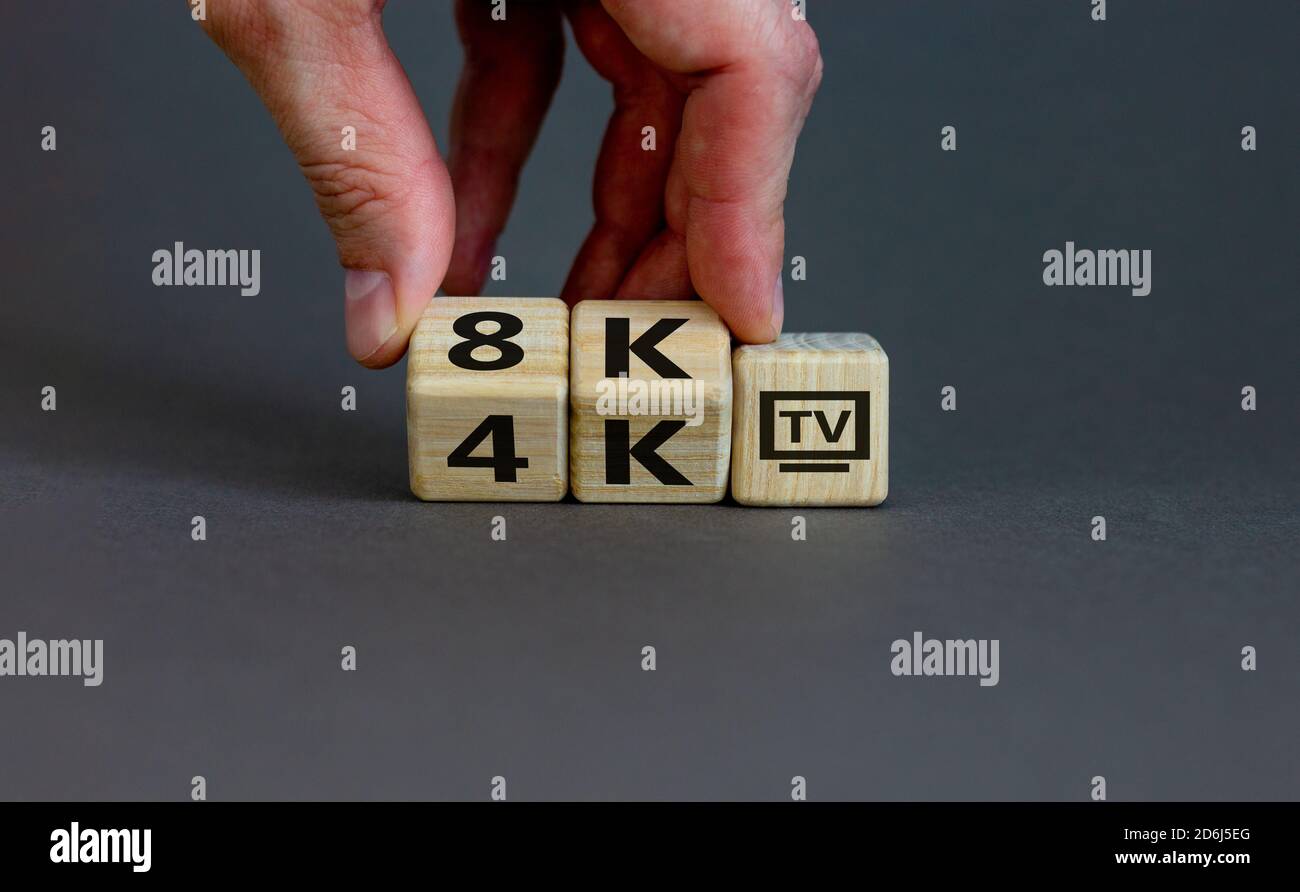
x: 349, y: 115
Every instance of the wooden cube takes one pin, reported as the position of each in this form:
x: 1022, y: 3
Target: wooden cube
x: 650, y: 393
x: 487, y: 389
x: 812, y: 421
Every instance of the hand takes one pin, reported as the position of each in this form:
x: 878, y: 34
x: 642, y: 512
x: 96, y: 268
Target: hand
x: 725, y: 83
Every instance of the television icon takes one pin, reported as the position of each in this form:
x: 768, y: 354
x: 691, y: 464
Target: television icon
x: 818, y: 431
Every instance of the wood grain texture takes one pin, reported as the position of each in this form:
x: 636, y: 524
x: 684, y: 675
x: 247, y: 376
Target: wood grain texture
x: 446, y: 403
x: 700, y: 347
x: 806, y: 460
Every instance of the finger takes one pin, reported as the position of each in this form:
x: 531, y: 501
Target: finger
x: 752, y: 71
x: 628, y: 191
x: 321, y: 68
x: 512, y: 66
x: 660, y: 272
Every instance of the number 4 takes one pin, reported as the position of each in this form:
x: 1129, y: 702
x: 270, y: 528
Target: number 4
x: 502, y: 460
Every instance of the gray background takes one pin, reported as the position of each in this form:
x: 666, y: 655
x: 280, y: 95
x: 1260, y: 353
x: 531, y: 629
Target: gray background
x: 523, y: 658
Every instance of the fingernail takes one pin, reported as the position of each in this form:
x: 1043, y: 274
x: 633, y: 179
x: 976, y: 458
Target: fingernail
x: 778, y: 306
x: 370, y: 311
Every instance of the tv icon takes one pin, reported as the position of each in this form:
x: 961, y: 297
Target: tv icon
x: 817, y: 431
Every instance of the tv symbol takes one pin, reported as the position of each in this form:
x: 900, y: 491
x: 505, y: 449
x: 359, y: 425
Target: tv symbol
x: 812, y: 426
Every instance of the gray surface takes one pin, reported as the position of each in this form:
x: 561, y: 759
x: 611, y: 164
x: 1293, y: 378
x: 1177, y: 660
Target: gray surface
x: 522, y: 658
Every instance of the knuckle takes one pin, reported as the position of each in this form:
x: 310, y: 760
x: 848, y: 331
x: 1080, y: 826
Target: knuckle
x: 798, y: 59
x: 350, y: 195
x: 811, y: 61
x: 251, y: 28
x: 339, y: 14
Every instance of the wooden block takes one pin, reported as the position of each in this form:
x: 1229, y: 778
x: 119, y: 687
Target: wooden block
x: 650, y: 416
x: 812, y: 421
x: 487, y: 393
